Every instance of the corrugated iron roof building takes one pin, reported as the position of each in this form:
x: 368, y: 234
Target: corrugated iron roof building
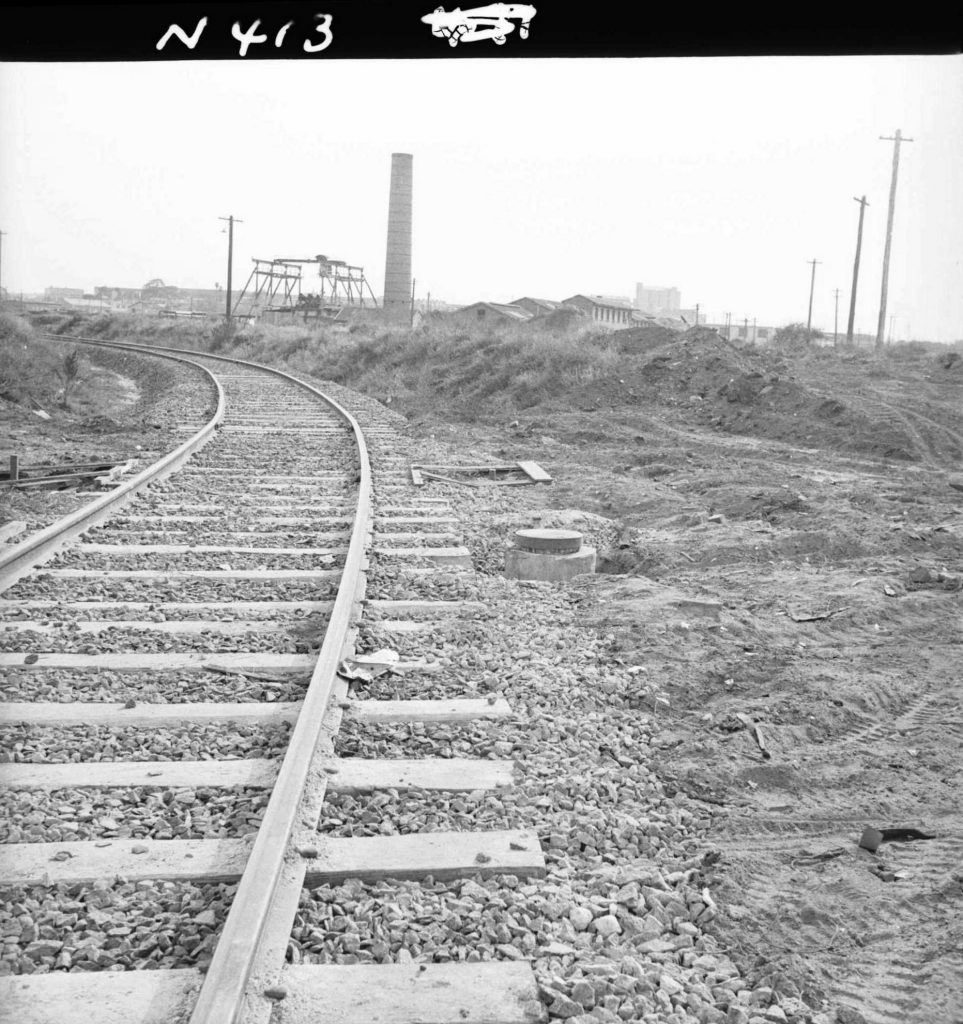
x: 480, y: 311
x: 610, y: 311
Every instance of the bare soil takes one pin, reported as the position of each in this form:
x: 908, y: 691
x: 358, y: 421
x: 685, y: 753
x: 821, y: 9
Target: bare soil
x: 790, y: 550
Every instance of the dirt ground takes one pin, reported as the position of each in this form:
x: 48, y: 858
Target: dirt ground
x: 788, y: 555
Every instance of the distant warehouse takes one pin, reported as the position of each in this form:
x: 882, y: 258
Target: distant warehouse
x: 605, y: 310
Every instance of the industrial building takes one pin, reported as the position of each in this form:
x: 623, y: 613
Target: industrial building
x: 537, y: 307
x: 605, y: 310
x: 493, y: 312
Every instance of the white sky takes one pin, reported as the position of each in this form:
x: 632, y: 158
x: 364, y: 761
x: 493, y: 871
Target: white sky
x: 721, y: 176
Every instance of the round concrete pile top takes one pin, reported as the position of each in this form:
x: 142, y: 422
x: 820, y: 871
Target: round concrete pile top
x: 549, y: 542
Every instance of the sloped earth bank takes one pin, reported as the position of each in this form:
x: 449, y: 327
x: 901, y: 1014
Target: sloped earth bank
x: 814, y: 592
x: 123, y: 418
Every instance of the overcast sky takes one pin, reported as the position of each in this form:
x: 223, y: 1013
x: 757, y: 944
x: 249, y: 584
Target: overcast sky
x: 720, y: 176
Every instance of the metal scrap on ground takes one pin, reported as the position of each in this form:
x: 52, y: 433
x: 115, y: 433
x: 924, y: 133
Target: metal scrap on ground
x: 104, y: 472
x: 512, y: 474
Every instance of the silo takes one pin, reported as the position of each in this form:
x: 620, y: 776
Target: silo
x: 397, y: 297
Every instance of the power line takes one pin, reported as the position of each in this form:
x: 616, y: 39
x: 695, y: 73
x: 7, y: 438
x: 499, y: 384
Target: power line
x: 896, y: 140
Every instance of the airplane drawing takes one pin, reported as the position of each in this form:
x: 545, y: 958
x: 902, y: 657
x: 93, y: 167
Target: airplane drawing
x: 491, y: 22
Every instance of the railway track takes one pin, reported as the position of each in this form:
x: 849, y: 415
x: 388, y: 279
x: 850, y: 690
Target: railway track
x: 173, y: 703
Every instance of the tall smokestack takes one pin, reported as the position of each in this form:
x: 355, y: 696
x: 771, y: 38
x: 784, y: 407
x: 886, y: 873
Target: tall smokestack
x: 397, y: 300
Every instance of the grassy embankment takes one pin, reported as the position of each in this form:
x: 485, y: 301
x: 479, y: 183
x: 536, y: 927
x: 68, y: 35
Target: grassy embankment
x: 66, y: 381
x: 495, y: 373
x: 456, y: 373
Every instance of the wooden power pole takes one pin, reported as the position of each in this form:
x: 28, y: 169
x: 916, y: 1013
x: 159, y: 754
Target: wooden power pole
x: 881, y: 325
x: 230, y: 261
x: 812, y: 283
x: 836, y: 320
x: 852, y: 295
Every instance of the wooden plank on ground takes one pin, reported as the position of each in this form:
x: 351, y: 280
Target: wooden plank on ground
x: 535, y: 471
x: 229, y: 608
x: 500, y: 992
x: 457, y: 710
x: 456, y: 557
x: 250, y: 663
x: 344, y: 775
x: 441, y: 854
x: 116, y: 534
x: 118, y: 550
x: 416, y: 520
x: 200, y: 860
x: 232, y: 627
x: 355, y: 774
x: 401, y: 608
x: 494, y: 467
x: 258, y: 773
x: 107, y: 997
x: 207, y: 473
x: 297, y: 575
x: 387, y: 537
x: 159, y: 521
x: 416, y: 478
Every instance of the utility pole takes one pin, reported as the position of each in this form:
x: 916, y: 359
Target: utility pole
x: 230, y: 261
x: 896, y: 140
x: 697, y: 314
x: 812, y: 282
x: 753, y: 330
x: 411, y: 322
x: 2, y: 233
x: 836, y: 320
x: 728, y: 322
x: 852, y: 295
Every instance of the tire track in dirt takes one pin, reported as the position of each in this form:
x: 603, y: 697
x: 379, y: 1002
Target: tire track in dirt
x: 890, y: 989
x: 879, y: 977
x: 877, y: 401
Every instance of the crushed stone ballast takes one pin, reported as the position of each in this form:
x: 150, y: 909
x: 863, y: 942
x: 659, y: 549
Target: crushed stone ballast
x: 212, y: 806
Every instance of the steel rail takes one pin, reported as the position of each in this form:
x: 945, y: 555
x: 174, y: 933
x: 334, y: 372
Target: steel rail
x: 39, y: 546
x: 222, y: 995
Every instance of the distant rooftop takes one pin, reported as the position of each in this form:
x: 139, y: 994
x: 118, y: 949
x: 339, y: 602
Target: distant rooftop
x: 616, y: 301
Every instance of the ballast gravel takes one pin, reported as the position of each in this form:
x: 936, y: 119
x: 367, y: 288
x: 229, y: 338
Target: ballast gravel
x: 620, y: 929
x: 66, y: 686
x: 31, y: 744
x: 187, y: 561
x: 118, y: 640
x: 42, y: 587
x: 132, y: 812
x: 110, y: 926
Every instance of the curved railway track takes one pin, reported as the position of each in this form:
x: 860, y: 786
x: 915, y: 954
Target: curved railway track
x: 233, y: 568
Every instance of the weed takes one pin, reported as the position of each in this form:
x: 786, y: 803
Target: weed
x: 69, y: 374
